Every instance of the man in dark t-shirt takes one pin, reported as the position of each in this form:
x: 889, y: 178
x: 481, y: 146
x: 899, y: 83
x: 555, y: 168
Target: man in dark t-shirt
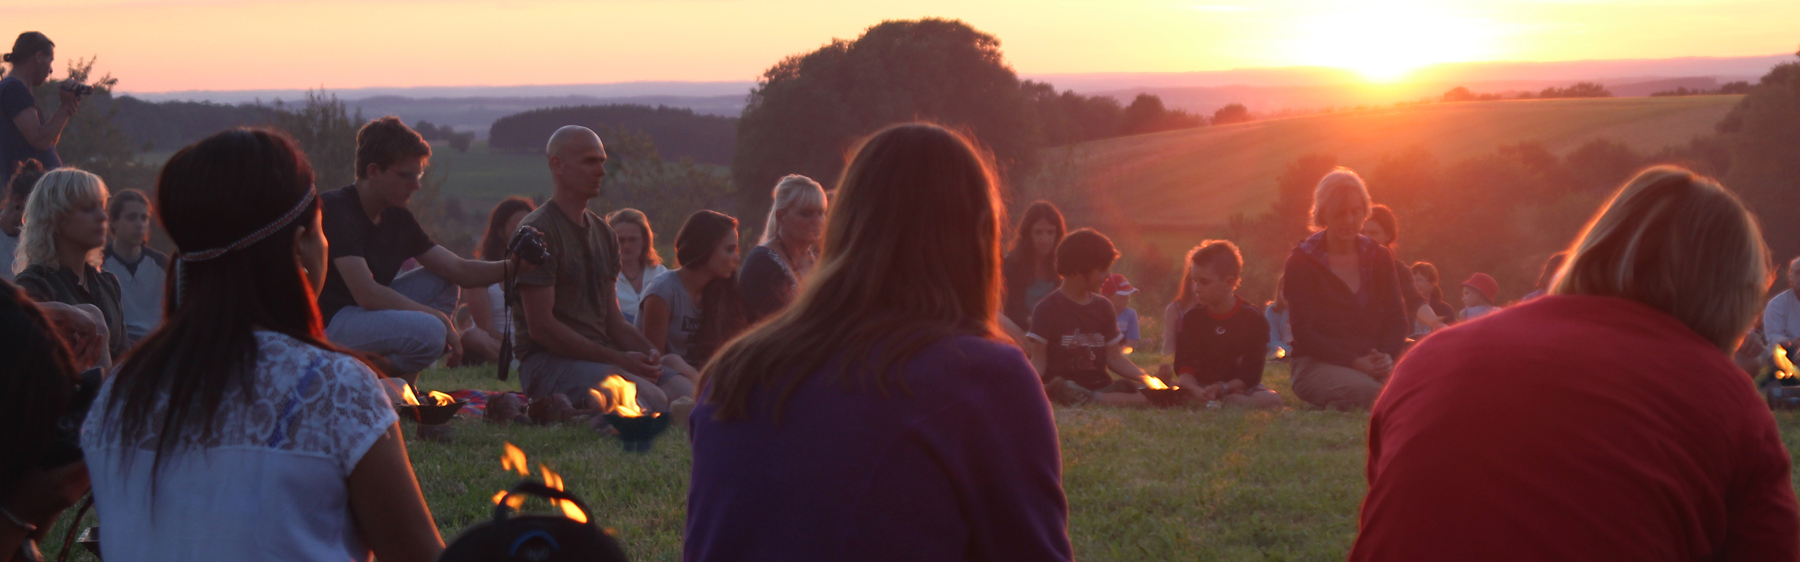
x: 1075, y: 335
x: 367, y: 304
x: 28, y: 132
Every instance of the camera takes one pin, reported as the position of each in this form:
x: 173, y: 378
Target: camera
x: 78, y: 88
x: 528, y: 244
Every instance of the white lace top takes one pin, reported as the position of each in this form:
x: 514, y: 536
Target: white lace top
x: 268, y: 483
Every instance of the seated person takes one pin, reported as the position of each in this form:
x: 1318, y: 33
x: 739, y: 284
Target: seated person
x: 1075, y: 335
x: 487, y: 307
x: 1118, y: 290
x: 1478, y: 295
x: 366, y: 304
x: 1219, y: 351
x: 12, y: 215
x: 570, y: 334
x: 139, y: 268
x: 59, y: 249
x: 689, y: 312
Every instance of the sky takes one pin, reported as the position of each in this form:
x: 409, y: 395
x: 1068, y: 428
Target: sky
x: 171, y: 45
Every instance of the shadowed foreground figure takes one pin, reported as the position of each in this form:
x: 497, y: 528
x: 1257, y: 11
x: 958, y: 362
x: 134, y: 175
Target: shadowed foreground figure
x: 1603, y: 422
x: 882, y: 417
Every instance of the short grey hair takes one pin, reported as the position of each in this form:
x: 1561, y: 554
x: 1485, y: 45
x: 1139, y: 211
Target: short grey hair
x: 1341, y: 183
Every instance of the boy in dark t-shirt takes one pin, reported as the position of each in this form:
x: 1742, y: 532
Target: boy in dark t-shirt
x: 1223, y: 340
x: 1075, y: 335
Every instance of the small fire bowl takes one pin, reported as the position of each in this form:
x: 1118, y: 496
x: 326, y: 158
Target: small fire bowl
x: 432, y: 414
x: 637, y: 433
x: 90, y: 540
x: 1166, y: 397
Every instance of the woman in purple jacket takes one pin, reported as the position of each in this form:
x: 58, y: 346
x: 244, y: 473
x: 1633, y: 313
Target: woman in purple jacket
x: 881, y: 416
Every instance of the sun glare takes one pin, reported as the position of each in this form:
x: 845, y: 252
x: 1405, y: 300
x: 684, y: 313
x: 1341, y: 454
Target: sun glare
x: 1385, y: 41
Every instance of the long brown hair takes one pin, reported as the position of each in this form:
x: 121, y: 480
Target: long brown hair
x: 721, y: 302
x: 911, y: 256
x: 647, y: 257
x: 1024, y: 252
x: 493, y: 241
x: 1680, y: 243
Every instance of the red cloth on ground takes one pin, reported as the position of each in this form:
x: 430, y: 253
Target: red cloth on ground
x: 1574, y: 428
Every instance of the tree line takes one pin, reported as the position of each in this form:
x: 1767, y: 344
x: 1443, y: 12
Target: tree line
x: 679, y: 132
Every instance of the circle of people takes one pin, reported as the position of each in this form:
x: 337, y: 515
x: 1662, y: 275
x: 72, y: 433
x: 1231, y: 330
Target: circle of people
x: 876, y: 349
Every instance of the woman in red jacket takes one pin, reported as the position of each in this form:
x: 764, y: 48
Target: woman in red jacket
x: 1603, y: 422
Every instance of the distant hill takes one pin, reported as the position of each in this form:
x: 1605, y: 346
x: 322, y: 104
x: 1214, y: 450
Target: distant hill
x: 1198, y: 178
x: 677, y: 132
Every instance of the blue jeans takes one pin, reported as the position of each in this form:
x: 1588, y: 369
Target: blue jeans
x: 410, y: 340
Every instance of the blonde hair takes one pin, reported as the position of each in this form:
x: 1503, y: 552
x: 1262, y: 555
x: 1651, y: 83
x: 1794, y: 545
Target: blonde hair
x: 792, y: 191
x: 1334, y: 187
x: 633, y: 216
x: 1680, y: 243
x: 57, y: 193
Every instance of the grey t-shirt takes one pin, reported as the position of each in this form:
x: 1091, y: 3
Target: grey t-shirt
x: 684, y: 313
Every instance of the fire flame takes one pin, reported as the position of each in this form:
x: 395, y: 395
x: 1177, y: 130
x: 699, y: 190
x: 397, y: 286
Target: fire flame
x: 1280, y: 353
x: 406, y: 395
x: 441, y: 398
x: 514, y: 459
x: 1155, y: 383
x: 626, y: 406
x: 1784, y: 369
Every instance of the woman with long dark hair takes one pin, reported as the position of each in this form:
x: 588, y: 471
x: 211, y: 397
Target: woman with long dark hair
x: 41, y: 472
x: 487, y: 307
x: 689, y: 312
x: 1383, y: 227
x: 1605, y: 421
x: 236, y: 430
x: 882, y: 412
x: 1030, y: 266
x: 1425, y: 280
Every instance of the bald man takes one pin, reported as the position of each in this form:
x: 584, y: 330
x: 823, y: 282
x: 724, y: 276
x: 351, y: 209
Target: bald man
x: 571, y: 335
x: 1781, y: 319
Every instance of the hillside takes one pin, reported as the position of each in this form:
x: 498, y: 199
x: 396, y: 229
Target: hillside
x: 1187, y: 179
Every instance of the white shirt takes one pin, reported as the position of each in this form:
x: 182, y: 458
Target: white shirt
x: 268, y: 483
x: 497, y: 303
x: 630, y: 298
x: 1781, y: 320
x: 8, y: 245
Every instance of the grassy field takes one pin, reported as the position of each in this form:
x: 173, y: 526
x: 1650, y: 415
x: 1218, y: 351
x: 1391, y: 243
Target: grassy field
x: 1181, y: 484
x: 1181, y: 179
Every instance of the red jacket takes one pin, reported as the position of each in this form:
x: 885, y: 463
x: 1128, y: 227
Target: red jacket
x: 1574, y: 428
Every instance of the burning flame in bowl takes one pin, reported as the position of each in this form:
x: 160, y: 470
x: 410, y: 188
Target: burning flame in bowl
x: 514, y: 459
x: 437, y: 398
x: 1155, y: 383
x: 1280, y: 353
x: 1784, y: 368
x: 626, y: 403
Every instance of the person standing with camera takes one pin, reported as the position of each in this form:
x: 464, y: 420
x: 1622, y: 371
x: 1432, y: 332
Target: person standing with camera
x: 28, y: 132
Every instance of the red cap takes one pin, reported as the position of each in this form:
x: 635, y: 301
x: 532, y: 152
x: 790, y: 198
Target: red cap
x: 1485, y: 284
x: 1116, y: 285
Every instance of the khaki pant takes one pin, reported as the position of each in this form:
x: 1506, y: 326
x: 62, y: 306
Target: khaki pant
x: 1334, y: 386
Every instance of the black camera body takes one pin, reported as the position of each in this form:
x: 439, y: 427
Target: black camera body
x: 528, y: 244
x: 78, y: 88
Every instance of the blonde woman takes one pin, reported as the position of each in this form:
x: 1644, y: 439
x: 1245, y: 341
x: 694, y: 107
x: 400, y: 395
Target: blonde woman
x: 638, y: 263
x: 1344, y: 305
x: 59, y: 253
x: 1603, y: 422
x: 773, y: 270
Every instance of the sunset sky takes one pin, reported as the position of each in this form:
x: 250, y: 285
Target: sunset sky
x: 163, y: 45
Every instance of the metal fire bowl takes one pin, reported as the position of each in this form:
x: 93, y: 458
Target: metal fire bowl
x: 90, y: 540
x: 1166, y: 397
x: 637, y: 433
x: 432, y: 414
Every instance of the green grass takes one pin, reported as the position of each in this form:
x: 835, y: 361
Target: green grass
x: 484, y: 177
x: 1199, y: 177
x: 1180, y: 484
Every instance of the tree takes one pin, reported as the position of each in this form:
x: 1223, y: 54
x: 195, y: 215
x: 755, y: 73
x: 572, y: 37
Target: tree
x: 1294, y: 194
x: 1146, y: 114
x: 1231, y: 113
x: 1458, y: 94
x: 807, y: 110
x: 666, y: 191
x: 326, y: 131
x: 1576, y: 90
x: 1762, y: 135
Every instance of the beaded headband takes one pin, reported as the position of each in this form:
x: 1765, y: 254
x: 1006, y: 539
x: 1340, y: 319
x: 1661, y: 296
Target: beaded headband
x: 254, y: 237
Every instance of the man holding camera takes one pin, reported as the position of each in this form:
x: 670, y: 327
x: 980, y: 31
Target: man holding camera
x: 367, y: 304
x: 28, y: 133
x: 571, y: 333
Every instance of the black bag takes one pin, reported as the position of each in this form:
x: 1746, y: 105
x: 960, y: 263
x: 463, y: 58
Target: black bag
x: 534, y: 538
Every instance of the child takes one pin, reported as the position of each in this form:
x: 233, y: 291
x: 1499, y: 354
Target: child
x: 1219, y: 352
x: 1075, y: 335
x: 139, y: 268
x: 1118, y: 290
x: 1478, y: 296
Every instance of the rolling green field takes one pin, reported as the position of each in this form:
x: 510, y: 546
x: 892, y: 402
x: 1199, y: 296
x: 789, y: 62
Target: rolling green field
x: 1179, y: 484
x: 1197, y: 177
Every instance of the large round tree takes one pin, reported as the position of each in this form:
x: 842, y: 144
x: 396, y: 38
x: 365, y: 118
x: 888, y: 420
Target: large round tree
x: 808, y: 110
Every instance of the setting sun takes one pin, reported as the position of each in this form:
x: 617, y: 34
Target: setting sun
x: 1383, y: 41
